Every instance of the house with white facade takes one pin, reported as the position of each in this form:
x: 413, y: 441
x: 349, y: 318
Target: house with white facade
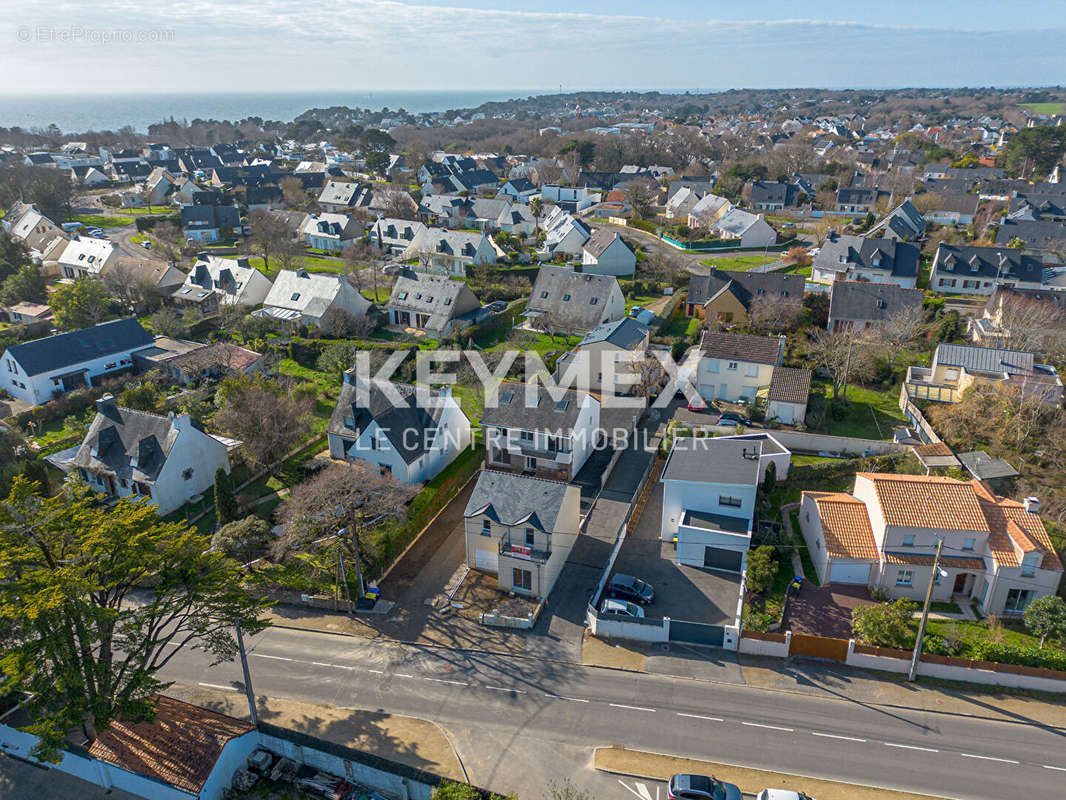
x: 884, y: 535
x: 564, y: 235
x: 975, y: 270
x: 572, y: 302
x: 333, y: 232
x: 169, y: 460
x: 234, y: 280
x: 433, y: 304
x: 304, y: 297
x: 735, y: 367
x: 709, y: 490
x: 450, y: 252
x: 412, y: 435
x: 570, y: 198
x: 521, y: 529
x: 339, y: 197
x: 38, y: 371
x: 607, y: 253
x: 861, y: 258
x: 528, y: 431
x: 395, y: 235
x: 605, y: 351
x: 744, y: 228
x: 86, y: 256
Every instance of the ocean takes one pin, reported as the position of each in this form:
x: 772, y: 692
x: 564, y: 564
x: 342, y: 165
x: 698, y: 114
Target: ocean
x: 78, y: 113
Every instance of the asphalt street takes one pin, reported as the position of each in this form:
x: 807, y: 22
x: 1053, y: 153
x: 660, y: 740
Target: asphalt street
x: 520, y: 723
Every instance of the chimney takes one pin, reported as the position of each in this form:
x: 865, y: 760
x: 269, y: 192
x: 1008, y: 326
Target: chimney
x: 106, y: 403
x: 1032, y: 504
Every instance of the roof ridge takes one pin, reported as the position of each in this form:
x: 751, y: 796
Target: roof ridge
x: 526, y: 477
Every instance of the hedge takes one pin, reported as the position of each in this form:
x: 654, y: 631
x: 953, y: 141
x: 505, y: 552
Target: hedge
x: 145, y: 223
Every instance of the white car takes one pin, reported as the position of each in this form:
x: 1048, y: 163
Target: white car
x: 622, y: 608
x: 782, y: 794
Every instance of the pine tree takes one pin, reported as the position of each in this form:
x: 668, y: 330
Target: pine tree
x: 226, y: 508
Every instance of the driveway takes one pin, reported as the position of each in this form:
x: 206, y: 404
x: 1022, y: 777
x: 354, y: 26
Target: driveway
x: 825, y: 610
x: 21, y: 780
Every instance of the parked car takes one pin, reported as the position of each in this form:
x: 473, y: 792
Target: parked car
x: 635, y: 310
x: 700, y: 787
x: 697, y: 404
x: 622, y: 608
x: 70, y: 227
x: 391, y: 269
x: 96, y: 232
x: 496, y: 306
x: 782, y: 794
x: 626, y: 587
x: 146, y: 245
x: 731, y: 418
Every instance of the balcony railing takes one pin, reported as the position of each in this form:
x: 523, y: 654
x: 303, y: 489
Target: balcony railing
x: 520, y: 550
x: 920, y: 386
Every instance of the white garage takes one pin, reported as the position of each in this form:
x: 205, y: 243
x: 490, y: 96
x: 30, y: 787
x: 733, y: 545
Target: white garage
x: 849, y: 572
x: 488, y: 560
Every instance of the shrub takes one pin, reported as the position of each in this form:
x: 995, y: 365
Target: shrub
x: 885, y: 624
x: 761, y: 569
x: 244, y: 539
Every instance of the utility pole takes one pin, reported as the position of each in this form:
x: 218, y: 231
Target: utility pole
x: 247, y: 675
x: 925, y: 613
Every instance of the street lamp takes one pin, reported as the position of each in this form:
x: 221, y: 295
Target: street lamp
x: 925, y: 610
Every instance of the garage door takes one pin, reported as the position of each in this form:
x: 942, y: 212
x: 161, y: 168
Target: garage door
x: 696, y: 633
x: 849, y: 573
x: 488, y: 560
x: 717, y: 558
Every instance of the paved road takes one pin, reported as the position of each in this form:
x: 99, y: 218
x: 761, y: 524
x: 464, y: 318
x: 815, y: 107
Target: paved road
x: 521, y: 722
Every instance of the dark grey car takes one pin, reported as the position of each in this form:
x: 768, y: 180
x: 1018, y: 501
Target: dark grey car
x: 626, y: 587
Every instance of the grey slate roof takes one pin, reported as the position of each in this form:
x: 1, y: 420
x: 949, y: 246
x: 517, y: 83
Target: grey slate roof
x: 862, y: 300
x: 555, y: 284
x: 440, y: 297
x: 625, y: 333
x: 601, y: 240
x: 745, y: 286
x: 905, y: 220
x: 209, y: 217
x: 1035, y: 233
x: 350, y: 420
x: 771, y: 192
x: 710, y: 460
x: 898, y: 258
x: 983, y: 359
x: 76, y: 347
x: 120, y: 435
x: 970, y: 261
x: 542, y: 413
x: 512, y: 499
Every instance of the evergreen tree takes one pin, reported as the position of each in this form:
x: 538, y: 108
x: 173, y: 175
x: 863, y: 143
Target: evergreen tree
x: 226, y: 508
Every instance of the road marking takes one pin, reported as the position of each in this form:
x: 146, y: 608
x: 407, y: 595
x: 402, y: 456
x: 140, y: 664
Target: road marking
x: 911, y: 747
x: 377, y: 671
x: 454, y: 683
x: 631, y: 708
x: 835, y: 736
x: 989, y: 758
x: 220, y: 686
x: 401, y: 675
x: 321, y: 664
x: 700, y: 716
x: 638, y: 789
x: 503, y: 689
x: 769, y: 727
x: 275, y: 658
x: 1057, y: 769
x: 562, y: 697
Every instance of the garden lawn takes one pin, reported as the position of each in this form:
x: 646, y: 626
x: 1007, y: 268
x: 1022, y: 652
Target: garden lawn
x: 1013, y: 632
x: 740, y: 263
x: 310, y: 263
x: 681, y: 325
x: 1053, y: 107
x: 101, y: 221
x: 867, y: 413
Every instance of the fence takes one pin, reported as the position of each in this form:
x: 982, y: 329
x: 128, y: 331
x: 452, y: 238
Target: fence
x: 765, y: 644
x: 640, y: 629
x: 836, y: 445
x: 495, y: 619
x: 915, y: 416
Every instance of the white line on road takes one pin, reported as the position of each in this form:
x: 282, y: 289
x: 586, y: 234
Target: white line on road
x: 503, y: 689
x: 563, y: 697
x: 321, y: 664
x: 220, y: 686
x: 700, y: 716
x: 275, y: 658
x: 402, y: 675
x: 377, y: 671
x: 1057, y: 769
x: 911, y: 747
x: 835, y: 736
x: 769, y: 727
x: 631, y: 708
x: 454, y: 683
x: 989, y: 758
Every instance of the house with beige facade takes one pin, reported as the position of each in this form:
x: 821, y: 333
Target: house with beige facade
x: 521, y: 529
x: 884, y: 535
x: 734, y: 367
x: 957, y: 367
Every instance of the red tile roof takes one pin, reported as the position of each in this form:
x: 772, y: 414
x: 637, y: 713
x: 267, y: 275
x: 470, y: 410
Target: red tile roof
x: 790, y: 385
x: 180, y: 747
x: 927, y: 501
x: 845, y: 526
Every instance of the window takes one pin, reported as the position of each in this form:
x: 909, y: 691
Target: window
x: 526, y: 436
x: 968, y: 543
x: 733, y: 365
x: 566, y: 298
x: 530, y: 537
x: 521, y: 580
x: 543, y: 295
x: 1018, y: 600
x: 908, y: 540
x: 904, y: 577
x: 531, y: 463
x: 112, y: 365
x: 373, y: 442
x: 594, y: 301
x: 751, y: 370
x: 727, y: 500
x: 187, y: 474
x: 1028, y: 569
x: 295, y: 296
x: 486, y: 528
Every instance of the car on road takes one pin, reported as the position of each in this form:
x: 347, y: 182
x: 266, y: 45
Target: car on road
x: 496, y: 306
x: 730, y: 418
x: 146, y: 245
x: 391, y: 269
x: 782, y: 794
x: 70, y: 227
x: 626, y: 587
x: 697, y: 404
x: 621, y: 608
x: 97, y: 233
x: 700, y: 787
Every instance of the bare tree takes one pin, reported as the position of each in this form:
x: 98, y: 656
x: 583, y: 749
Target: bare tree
x: 1029, y: 324
x: 900, y: 330
x: 360, y: 255
x: 642, y: 193
x: 269, y: 232
x: 771, y: 313
x: 846, y: 357
x: 397, y: 203
x: 269, y: 418
x: 926, y: 202
x: 294, y: 194
x: 168, y: 237
x: 354, y: 497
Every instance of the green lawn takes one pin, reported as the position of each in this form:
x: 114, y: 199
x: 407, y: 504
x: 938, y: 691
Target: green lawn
x: 68, y: 427
x: 866, y: 413
x: 1053, y: 107
x: 310, y: 263
x: 740, y: 263
x: 100, y: 221
x: 1013, y: 632
x: 150, y: 210
x: 800, y: 460
x: 681, y: 325
x: 381, y: 296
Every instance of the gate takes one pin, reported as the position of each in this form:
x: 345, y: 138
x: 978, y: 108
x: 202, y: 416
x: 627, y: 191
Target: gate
x: 697, y: 633
x: 818, y: 647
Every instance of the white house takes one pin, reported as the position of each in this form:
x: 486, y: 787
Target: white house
x: 233, y: 279
x: 709, y: 489
x: 414, y: 438
x: 572, y: 198
x: 572, y: 302
x: 745, y: 228
x: 735, y: 367
x: 333, y: 232
x: 85, y: 256
x: 39, y: 370
x: 130, y: 453
x: 564, y: 235
x: 304, y: 297
x: 395, y: 235
x: 588, y: 365
x: 521, y: 529
x: 607, y: 253
x: 450, y: 252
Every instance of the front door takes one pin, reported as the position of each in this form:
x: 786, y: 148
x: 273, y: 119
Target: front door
x: 960, y: 583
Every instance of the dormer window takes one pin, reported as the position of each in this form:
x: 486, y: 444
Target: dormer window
x: 594, y: 301
x: 566, y: 298
x: 295, y: 296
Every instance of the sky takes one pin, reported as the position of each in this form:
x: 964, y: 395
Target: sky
x: 347, y: 45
